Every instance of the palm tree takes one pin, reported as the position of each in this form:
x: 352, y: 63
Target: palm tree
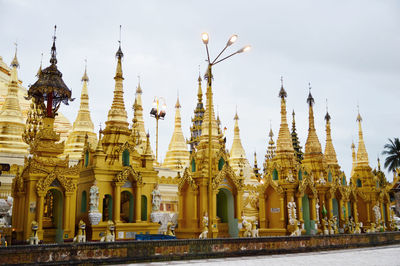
x: 392, y: 150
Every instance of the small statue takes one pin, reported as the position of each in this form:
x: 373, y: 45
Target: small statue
x: 94, y: 198
x: 204, y: 233
x: 290, y: 177
x: 352, y: 226
x: 330, y: 226
x: 357, y: 229
x: 156, y: 199
x: 325, y: 224
x: 377, y: 213
x: 247, y: 228
x: 81, y: 236
x: 110, y: 235
x: 254, y: 230
x: 335, y: 227
x: 317, y: 210
x: 372, y: 228
x: 34, y: 239
x: 169, y: 229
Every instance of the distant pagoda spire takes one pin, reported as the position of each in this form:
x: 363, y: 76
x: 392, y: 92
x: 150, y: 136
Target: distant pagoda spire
x: 12, y: 124
x: 197, y: 120
x: 117, y: 116
x: 83, y: 125
x: 329, y: 154
x: 296, y: 142
x: 313, y: 146
x: 256, y: 168
x: 40, y: 67
x: 362, y: 155
x: 354, y: 158
x: 271, y: 146
x: 237, y: 157
x: 177, y: 154
x: 284, y: 142
x: 138, y: 115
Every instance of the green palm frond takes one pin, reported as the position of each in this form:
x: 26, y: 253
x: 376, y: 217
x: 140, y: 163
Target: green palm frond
x: 392, y: 150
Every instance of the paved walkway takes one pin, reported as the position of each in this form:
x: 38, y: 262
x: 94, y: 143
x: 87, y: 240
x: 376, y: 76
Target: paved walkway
x: 382, y: 256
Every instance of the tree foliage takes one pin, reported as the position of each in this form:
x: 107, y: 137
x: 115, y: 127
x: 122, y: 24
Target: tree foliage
x: 392, y: 151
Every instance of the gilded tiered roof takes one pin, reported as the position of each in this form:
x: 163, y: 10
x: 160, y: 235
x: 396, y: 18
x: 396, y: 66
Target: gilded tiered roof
x: 197, y: 120
x: 12, y: 122
x: 82, y: 126
x: 296, y: 142
x: 177, y: 155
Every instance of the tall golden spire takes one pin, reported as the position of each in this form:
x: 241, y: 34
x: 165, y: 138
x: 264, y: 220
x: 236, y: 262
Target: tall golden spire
x: 12, y: 123
x: 362, y: 155
x: 82, y: 126
x: 177, y: 155
x: 117, y: 116
x: 313, y: 146
x: 284, y: 142
x: 354, y: 157
x: 138, y: 115
x: 207, y: 118
x: 330, y: 154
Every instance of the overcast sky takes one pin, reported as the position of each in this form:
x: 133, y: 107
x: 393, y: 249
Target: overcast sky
x: 348, y: 50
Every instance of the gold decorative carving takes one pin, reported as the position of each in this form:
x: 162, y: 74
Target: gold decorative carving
x: 187, y: 178
x: 127, y: 172
x: 227, y: 171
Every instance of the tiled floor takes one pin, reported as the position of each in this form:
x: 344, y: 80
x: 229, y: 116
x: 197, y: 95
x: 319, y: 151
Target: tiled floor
x: 382, y: 256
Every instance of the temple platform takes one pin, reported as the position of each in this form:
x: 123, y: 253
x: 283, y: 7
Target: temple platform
x: 166, y: 250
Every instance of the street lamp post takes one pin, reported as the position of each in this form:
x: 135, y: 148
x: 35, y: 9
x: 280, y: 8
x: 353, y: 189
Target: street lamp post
x: 209, y: 77
x: 158, y: 113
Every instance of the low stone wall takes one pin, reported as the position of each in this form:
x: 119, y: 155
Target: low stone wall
x: 139, y: 251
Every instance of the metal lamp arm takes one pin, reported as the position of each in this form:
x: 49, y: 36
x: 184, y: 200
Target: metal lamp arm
x: 224, y: 58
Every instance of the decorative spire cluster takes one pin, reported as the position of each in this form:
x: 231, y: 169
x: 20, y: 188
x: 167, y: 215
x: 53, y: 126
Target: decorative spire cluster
x: 197, y: 120
x: 271, y: 146
x: 296, y: 142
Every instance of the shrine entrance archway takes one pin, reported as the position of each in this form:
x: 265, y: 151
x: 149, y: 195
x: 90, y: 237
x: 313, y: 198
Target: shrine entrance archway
x: 53, y: 216
x: 306, y: 214
x: 225, y: 211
